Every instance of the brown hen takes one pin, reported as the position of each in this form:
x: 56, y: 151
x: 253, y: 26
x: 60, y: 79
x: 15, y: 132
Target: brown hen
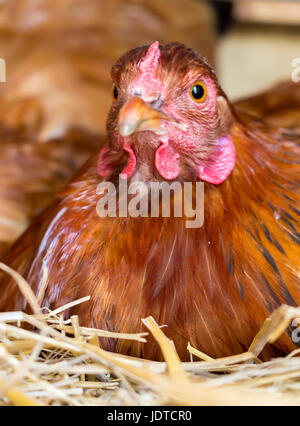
x: 213, y: 286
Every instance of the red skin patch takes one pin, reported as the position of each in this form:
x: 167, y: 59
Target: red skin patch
x: 166, y: 162
x: 146, y: 78
x: 222, y: 163
x: 150, y: 61
x: 215, y: 171
x: 129, y: 169
x: 103, y: 166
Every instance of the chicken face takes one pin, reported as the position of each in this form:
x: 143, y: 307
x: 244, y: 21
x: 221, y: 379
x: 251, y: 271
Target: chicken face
x: 170, y: 115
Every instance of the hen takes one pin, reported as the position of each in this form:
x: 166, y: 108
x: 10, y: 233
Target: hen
x: 213, y: 285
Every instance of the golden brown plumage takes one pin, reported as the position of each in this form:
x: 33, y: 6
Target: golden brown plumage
x: 279, y: 105
x: 213, y: 286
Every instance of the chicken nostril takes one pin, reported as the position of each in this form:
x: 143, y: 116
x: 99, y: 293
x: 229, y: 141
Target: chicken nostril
x: 157, y: 103
x: 137, y: 91
x: 153, y: 99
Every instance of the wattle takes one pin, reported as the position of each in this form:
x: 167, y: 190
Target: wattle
x: 221, y: 164
x: 129, y: 169
x: 166, y: 162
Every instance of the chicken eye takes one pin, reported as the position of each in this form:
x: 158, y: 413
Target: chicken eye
x: 198, y: 92
x: 115, y: 93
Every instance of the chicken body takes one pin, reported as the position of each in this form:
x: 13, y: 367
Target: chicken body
x: 214, y: 285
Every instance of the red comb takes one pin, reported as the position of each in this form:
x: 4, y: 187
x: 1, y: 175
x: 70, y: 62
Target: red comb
x: 150, y: 61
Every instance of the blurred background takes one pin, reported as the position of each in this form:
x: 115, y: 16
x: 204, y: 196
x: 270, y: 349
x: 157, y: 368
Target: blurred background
x: 258, y: 41
x: 58, y: 55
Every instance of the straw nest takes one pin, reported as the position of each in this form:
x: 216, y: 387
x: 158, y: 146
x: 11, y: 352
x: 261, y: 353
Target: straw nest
x: 61, y: 363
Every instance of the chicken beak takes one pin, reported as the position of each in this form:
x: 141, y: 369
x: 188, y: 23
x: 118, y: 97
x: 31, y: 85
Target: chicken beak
x: 136, y: 115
